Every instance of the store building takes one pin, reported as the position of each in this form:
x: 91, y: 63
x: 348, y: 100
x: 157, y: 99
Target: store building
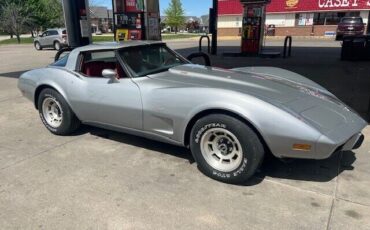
x: 295, y: 17
x: 101, y: 19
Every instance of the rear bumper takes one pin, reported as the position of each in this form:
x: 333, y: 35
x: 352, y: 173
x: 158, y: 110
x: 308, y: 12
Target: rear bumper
x: 349, y: 33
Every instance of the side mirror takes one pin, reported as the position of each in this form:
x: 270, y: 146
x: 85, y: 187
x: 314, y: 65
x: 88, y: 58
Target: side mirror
x: 110, y: 74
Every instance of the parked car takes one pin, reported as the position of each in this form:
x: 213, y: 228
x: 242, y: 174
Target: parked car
x: 350, y: 26
x: 166, y: 30
x: 52, y: 38
x: 229, y: 118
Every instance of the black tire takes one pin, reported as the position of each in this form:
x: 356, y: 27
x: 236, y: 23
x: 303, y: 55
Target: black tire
x: 69, y: 123
x: 38, y: 46
x: 57, y: 46
x: 252, y: 148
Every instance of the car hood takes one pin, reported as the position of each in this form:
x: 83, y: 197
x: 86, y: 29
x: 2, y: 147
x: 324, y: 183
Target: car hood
x: 284, y: 89
x: 271, y: 84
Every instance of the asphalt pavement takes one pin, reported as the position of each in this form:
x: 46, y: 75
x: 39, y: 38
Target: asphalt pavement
x: 98, y: 179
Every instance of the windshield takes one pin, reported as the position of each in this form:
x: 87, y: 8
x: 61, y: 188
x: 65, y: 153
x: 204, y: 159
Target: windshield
x: 352, y: 20
x: 150, y: 59
x: 62, y: 62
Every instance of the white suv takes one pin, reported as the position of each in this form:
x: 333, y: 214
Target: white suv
x: 52, y: 38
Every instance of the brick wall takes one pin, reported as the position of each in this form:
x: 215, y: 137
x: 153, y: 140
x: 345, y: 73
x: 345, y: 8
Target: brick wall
x: 284, y: 31
x: 293, y: 31
x: 320, y: 30
x: 228, y: 32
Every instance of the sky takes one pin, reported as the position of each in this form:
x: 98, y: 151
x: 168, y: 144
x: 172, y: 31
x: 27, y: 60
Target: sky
x: 191, y: 7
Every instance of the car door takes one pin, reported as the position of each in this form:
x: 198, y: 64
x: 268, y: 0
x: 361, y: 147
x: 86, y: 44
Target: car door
x: 51, y: 37
x: 43, y: 38
x: 95, y: 100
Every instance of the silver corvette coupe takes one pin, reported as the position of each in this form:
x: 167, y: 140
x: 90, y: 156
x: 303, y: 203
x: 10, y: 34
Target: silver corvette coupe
x: 229, y: 118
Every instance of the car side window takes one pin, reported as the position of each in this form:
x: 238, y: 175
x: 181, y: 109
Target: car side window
x: 93, y: 64
x: 52, y: 33
x: 45, y: 34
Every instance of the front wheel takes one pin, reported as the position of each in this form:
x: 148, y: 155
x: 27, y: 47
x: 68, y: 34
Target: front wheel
x: 226, y: 149
x: 38, y: 46
x: 56, y: 114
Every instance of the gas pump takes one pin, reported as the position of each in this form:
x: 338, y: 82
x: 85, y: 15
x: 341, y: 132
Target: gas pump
x: 136, y: 20
x: 253, y: 26
x: 77, y: 20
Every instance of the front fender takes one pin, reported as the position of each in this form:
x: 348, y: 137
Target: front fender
x: 280, y: 129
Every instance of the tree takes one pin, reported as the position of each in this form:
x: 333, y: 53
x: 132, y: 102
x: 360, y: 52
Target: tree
x: 175, y: 14
x: 45, y: 14
x: 14, y: 18
x: 19, y: 16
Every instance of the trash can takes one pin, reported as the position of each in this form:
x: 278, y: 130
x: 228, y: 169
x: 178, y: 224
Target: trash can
x: 271, y: 30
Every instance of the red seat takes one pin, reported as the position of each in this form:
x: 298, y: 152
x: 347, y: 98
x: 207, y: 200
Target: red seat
x: 95, y: 69
x: 120, y: 72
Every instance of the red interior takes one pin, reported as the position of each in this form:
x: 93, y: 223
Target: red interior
x: 120, y: 72
x: 95, y: 69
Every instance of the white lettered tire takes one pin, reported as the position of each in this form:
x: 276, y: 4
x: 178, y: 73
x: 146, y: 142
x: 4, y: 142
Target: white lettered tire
x: 225, y: 148
x: 56, y: 114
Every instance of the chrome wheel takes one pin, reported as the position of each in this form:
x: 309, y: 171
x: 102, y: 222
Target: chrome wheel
x: 38, y: 46
x: 57, y: 45
x: 221, y: 149
x: 52, y: 112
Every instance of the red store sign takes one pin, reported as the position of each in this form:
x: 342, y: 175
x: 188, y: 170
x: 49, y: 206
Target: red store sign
x: 233, y: 7
x: 134, y: 5
x: 277, y: 6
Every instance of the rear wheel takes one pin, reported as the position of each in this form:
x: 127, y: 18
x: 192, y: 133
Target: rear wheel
x: 226, y: 149
x: 56, y: 114
x: 38, y: 46
x: 57, y: 45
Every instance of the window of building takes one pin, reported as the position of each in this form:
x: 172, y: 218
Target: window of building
x: 332, y: 18
x: 304, y: 19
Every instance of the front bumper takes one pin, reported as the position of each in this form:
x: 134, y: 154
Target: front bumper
x: 354, y: 143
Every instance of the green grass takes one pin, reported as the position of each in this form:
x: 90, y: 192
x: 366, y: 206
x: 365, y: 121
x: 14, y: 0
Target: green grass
x: 178, y: 36
x: 14, y: 41
x: 100, y: 38
x: 30, y: 40
x: 164, y: 37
